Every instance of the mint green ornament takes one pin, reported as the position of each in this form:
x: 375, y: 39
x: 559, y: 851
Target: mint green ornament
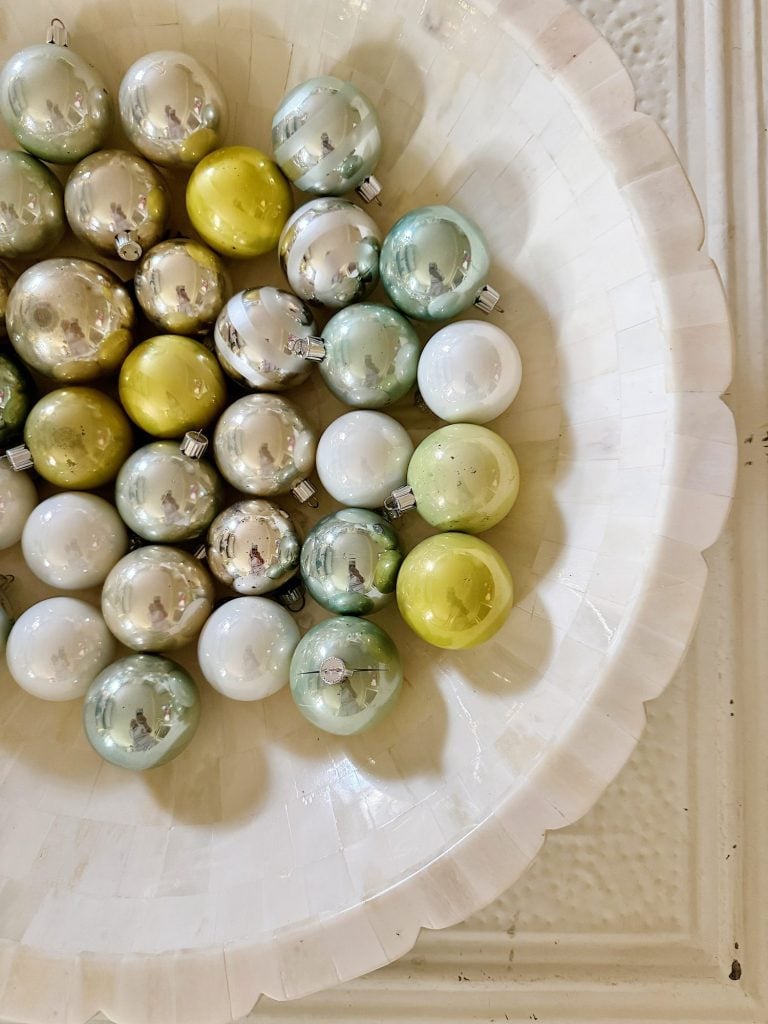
x: 345, y: 675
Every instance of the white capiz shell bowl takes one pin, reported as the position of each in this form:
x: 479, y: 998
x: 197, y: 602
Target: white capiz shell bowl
x: 269, y: 858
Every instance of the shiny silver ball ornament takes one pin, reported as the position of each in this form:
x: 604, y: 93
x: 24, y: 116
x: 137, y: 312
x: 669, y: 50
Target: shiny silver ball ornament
x: 70, y: 319
x: 141, y: 711
x: 157, y: 598
x: 172, y: 108
x: 31, y: 207
x: 55, y: 104
x: 118, y: 203
x: 165, y: 496
x: 350, y: 561
x: 264, y: 445
x: 345, y: 675
x: 434, y: 264
x: 255, y: 338
x: 253, y: 547
x: 326, y: 136
x: 181, y: 286
x: 7, y: 281
x: 329, y: 251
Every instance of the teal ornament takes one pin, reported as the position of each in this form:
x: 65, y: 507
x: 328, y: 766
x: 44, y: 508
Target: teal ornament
x: 17, y: 396
x: 31, y: 206
x: 350, y: 561
x: 371, y: 355
x: 55, y: 104
x: 345, y: 675
x: 326, y: 137
x: 434, y: 263
x: 141, y: 711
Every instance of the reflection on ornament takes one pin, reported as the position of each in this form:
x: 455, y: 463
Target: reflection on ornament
x: 141, y: 711
x: 454, y: 591
x: 253, y: 547
x: 363, y: 456
x: 172, y: 108
x: 326, y: 137
x: 31, y: 206
x: 78, y: 438
x: 18, y: 497
x: 17, y: 394
x: 350, y: 561
x: 238, y: 201
x: 72, y: 540
x: 246, y: 646
x: 329, y: 251
x: 70, y: 319
x: 170, y: 384
x: 57, y: 648
x: 181, y: 286
x: 345, y: 675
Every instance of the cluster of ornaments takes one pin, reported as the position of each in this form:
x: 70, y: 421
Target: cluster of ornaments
x: 172, y: 533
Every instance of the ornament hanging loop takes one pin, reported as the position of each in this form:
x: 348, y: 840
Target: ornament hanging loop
x: 57, y: 33
x: 400, y: 501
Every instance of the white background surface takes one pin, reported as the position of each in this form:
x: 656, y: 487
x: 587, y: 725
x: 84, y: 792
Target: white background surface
x: 653, y: 907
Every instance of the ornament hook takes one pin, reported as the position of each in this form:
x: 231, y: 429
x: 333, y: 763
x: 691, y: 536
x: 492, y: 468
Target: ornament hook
x: 57, y: 33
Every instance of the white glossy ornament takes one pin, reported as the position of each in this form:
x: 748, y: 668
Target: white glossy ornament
x: 72, y: 540
x: 57, y: 648
x: 362, y: 456
x: 18, y: 496
x: 246, y: 646
x: 469, y: 372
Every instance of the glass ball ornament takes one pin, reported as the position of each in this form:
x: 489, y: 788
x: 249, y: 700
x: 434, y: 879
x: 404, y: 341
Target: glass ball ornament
x: 253, y: 547
x: 157, y: 598
x: 350, y: 561
x: 469, y: 372
x: 170, y: 384
x: 32, y: 217
x: 434, y: 263
x: 363, y: 456
x: 173, y: 109
x: 254, y: 337
x: 165, y: 496
x: 238, y: 201
x: 18, y: 496
x: 55, y: 104
x: 141, y: 711
x: 371, y: 355
x: 345, y: 675
x: 118, y: 203
x: 17, y: 395
x: 78, y: 438
x: 326, y: 136
x: 329, y: 252
x: 181, y: 286
x: 454, y: 591
x: 246, y: 646
x: 72, y: 540
x: 57, y: 647
x: 264, y: 445
x: 70, y: 319
x: 7, y: 281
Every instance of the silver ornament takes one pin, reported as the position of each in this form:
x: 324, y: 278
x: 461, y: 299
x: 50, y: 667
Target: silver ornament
x: 326, y: 136
x: 166, y: 496
x: 350, y: 561
x: 141, y: 711
x: 70, y: 319
x: 55, y: 104
x: 264, y: 445
x: 31, y: 206
x: 329, y: 251
x: 253, y: 547
x: 7, y: 281
x: 172, y: 108
x: 157, y: 598
x: 118, y: 203
x: 181, y: 286
x: 254, y: 338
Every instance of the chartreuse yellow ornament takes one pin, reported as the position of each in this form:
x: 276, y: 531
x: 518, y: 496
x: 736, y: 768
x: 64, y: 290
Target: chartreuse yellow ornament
x: 238, y: 201
x: 78, y: 438
x: 170, y: 384
x: 454, y: 591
